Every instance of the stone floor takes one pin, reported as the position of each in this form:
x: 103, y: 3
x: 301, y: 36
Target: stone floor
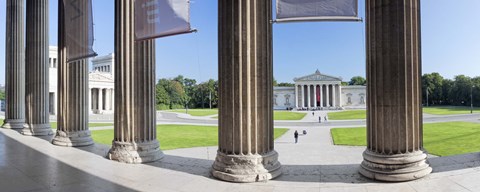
x: 313, y: 164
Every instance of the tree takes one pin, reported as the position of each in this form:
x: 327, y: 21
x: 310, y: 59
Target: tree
x: 2, y: 95
x: 358, y: 80
x: 460, y: 93
x: 286, y: 85
x: 432, y: 82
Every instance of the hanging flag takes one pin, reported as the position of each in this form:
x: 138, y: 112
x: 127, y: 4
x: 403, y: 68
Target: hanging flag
x: 317, y: 10
x: 79, y: 38
x: 160, y: 18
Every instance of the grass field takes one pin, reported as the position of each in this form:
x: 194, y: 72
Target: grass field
x: 278, y: 115
x: 197, y: 112
x: 178, y: 136
x: 348, y: 115
x: 54, y: 124
x: 449, y: 110
x: 441, y: 139
x: 287, y: 115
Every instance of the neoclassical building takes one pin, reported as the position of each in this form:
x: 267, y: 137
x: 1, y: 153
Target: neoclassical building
x: 319, y: 91
x: 100, y: 83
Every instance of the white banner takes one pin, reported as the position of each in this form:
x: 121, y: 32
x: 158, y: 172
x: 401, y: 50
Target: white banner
x: 159, y: 18
x: 317, y: 10
x: 78, y: 18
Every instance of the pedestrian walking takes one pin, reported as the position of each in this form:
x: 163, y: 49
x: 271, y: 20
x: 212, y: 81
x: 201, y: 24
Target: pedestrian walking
x: 325, y: 118
x: 296, y: 136
x: 313, y: 113
x: 319, y: 119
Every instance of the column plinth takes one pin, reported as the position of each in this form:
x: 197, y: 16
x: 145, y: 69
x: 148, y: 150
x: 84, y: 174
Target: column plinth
x: 246, y: 168
x: 394, y: 112
x: 246, y: 150
x: 135, y: 133
x: 15, y: 66
x: 37, y: 66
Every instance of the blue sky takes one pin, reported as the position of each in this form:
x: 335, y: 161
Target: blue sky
x: 450, y: 42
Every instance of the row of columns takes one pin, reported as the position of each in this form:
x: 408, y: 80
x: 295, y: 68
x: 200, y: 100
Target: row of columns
x: 246, y: 150
x: 101, y: 99
x: 318, y: 95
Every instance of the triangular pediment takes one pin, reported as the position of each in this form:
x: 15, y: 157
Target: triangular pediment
x: 100, y: 76
x: 317, y: 76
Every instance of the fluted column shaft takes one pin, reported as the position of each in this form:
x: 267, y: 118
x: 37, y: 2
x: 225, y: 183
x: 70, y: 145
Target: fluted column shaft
x: 394, y: 117
x: 72, y: 117
x: 296, y: 96
x: 334, y: 95
x: 135, y: 138
x: 309, y: 99
x: 37, y: 75
x: 328, y: 95
x: 246, y: 152
x: 314, y: 95
x: 100, y: 100
x: 303, y: 96
x: 15, y: 65
x: 321, y: 95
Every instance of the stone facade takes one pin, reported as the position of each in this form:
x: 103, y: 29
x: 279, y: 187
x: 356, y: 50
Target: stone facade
x: 100, y: 83
x: 320, y: 91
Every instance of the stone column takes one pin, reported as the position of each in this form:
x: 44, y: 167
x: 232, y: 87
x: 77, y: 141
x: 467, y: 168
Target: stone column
x: 340, y: 104
x: 303, y: 95
x: 135, y: 136
x: 327, y: 95
x: 394, y: 120
x: 334, y: 95
x: 100, y: 100
x: 315, y: 95
x: 37, y: 77
x: 246, y: 151
x: 309, y: 94
x: 296, y: 96
x: 72, y: 130
x: 321, y: 95
x: 15, y: 66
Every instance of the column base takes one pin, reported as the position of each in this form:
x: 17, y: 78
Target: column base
x: 72, y: 139
x: 37, y: 130
x: 395, y: 168
x: 135, y: 152
x: 13, y: 123
x: 246, y: 168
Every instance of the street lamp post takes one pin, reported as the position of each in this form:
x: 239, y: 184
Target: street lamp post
x: 471, y: 99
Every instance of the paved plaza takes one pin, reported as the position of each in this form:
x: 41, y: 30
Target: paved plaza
x: 313, y: 164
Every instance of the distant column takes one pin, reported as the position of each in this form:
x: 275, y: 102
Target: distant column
x: 321, y: 95
x: 315, y: 95
x: 309, y: 94
x: 296, y: 96
x: 135, y: 133
x: 334, y: 95
x: 72, y: 129
x: 246, y: 150
x: 100, y: 100
x: 15, y: 66
x: 394, y: 121
x: 327, y: 94
x: 37, y: 77
x: 303, y: 96
x: 340, y: 103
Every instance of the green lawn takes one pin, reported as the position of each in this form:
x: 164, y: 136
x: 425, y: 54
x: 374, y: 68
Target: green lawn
x: 54, y: 124
x: 197, y: 112
x: 348, y: 115
x: 285, y: 115
x: 441, y: 139
x: 449, y: 110
x: 178, y: 136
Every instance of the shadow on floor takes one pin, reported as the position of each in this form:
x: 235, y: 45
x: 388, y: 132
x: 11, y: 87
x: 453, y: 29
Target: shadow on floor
x: 25, y: 169
x: 58, y: 174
